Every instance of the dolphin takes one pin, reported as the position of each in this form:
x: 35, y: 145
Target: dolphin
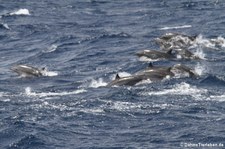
x: 169, y: 36
x: 175, y: 40
x: 153, y: 54
x: 28, y: 71
x: 180, y: 69
x: 157, y: 70
x: 126, y: 81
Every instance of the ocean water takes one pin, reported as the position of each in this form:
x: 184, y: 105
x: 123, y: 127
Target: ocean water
x: 84, y: 44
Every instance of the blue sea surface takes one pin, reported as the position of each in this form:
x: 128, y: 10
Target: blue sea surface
x: 84, y: 44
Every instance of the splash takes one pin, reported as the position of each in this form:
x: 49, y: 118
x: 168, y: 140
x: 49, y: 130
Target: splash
x: 49, y: 73
x: 97, y: 83
x: 175, y: 27
x: 28, y: 92
x: 20, y: 12
x: 200, y: 69
x: 199, y: 53
x: 181, y: 89
x: 219, y: 41
x: 214, y: 44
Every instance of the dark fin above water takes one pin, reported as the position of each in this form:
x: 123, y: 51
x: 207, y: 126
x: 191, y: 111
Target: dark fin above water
x: 169, y: 51
x: 117, y: 76
x: 150, y: 65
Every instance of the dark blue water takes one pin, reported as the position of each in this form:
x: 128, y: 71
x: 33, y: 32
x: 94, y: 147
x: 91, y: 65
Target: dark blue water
x: 84, y: 44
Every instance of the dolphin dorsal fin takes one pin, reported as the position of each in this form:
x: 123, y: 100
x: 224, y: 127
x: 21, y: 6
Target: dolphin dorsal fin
x: 169, y: 69
x: 169, y: 51
x: 150, y: 65
x: 117, y: 76
x: 43, y: 68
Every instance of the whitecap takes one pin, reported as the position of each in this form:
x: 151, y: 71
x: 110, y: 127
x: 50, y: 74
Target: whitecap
x: 29, y: 92
x: 20, y: 12
x: 175, y: 27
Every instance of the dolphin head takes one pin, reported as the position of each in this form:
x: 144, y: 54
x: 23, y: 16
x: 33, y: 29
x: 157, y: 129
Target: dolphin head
x: 27, y: 71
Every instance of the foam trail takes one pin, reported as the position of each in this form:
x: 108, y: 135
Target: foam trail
x: 181, y: 89
x: 20, y: 12
x: 28, y: 92
x: 175, y: 27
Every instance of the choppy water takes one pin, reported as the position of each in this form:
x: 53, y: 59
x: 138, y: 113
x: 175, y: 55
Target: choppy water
x: 84, y: 44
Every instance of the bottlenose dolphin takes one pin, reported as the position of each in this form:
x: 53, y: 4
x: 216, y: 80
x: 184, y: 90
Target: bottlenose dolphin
x: 153, y: 54
x: 28, y: 71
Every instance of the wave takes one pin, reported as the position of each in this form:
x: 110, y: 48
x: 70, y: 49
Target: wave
x: 20, y: 12
x: 29, y: 92
x: 213, y: 80
x: 180, y: 89
x: 105, y: 36
x: 52, y: 48
x: 175, y: 27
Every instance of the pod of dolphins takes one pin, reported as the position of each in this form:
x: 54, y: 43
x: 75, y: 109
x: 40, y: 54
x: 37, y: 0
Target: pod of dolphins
x: 173, y: 46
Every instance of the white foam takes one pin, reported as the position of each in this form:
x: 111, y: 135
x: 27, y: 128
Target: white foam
x: 200, y: 69
x: 181, y: 89
x: 21, y: 12
x: 147, y: 81
x: 202, y: 42
x: 124, y: 74
x: 49, y: 73
x: 220, y: 98
x: 28, y: 92
x: 146, y: 59
x: 175, y: 27
x: 52, y: 48
x: 219, y: 41
x: 1, y: 94
x: 199, y: 53
x: 97, y: 83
